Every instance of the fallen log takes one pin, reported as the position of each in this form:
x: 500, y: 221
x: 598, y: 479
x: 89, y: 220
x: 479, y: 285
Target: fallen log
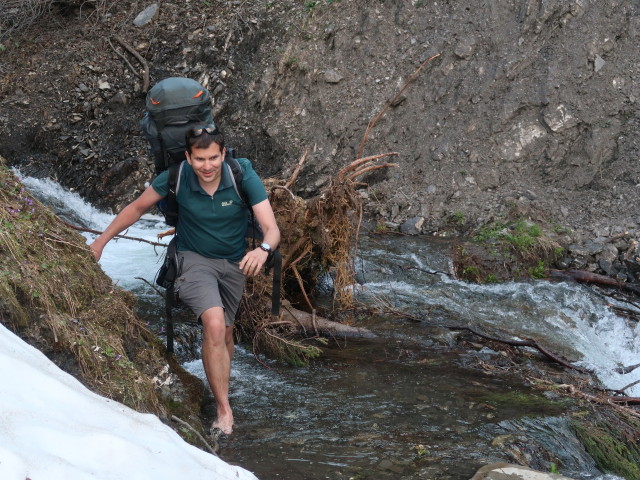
x: 590, y: 277
x: 309, y: 322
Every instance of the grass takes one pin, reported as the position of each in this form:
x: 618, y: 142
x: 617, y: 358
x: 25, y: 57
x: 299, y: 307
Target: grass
x: 507, y: 249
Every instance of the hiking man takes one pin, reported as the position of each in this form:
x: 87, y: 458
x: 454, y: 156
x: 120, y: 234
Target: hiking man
x: 211, y: 247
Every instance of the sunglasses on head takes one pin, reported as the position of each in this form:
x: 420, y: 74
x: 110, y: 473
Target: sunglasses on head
x: 211, y: 129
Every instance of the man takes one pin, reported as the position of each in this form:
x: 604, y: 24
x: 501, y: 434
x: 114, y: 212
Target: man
x: 211, y: 228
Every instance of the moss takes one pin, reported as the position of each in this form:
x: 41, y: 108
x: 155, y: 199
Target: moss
x: 612, y: 442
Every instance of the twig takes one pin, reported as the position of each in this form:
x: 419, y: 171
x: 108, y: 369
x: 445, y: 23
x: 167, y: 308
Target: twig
x: 630, y: 400
x: 301, y: 284
x: 630, y: 385
x: 276, y: 187
x: 359, y: 161
x: 185, y: 424
x: 628, y: 369
x: 145, y: 65
x: 135, y: 72
x: 430, y: 272
x: 391, y: 102
x: 151, y: 285
x: 364, y: 170
x: 296, y: 171
x: 306, y: 251
x: 88, y: 230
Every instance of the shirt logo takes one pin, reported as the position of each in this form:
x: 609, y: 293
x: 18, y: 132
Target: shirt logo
x: 227, y: 204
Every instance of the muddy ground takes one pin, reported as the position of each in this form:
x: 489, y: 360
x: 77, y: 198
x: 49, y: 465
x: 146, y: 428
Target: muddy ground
x: 529, y: 109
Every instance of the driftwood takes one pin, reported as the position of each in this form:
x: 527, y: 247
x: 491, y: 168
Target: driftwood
x: 306, y: 322
x: 524, y: 343
x: 589, y: 277
x: 628, y: 369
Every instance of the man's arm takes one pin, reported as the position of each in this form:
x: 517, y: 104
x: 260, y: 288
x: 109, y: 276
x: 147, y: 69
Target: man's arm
x: 254, y: 260
x: 127, y: 217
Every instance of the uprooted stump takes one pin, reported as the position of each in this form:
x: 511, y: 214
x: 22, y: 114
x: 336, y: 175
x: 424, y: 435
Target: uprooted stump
x: 319, y: 237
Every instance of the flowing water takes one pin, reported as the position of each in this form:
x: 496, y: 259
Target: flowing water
x: 408, y: 403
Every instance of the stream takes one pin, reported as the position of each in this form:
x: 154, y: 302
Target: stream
x: 408, y: 403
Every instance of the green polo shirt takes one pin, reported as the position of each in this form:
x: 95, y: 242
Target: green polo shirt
x: 213, y: 226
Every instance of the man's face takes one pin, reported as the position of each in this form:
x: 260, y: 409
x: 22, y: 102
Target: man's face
x: 207, y: 164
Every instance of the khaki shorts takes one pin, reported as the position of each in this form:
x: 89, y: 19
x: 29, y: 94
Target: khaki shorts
x: 210, y: 282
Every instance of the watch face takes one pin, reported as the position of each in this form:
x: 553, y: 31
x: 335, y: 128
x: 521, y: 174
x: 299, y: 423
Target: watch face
x: 266, y: 247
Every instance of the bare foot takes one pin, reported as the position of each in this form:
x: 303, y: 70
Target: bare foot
x: 224, y: 425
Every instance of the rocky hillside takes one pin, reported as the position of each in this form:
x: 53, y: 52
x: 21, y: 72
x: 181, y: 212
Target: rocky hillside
x: 529, y: 107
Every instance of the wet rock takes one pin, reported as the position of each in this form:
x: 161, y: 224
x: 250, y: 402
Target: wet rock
x: 146, y: 15
x: 608, y: 253
x: 505, y: 471
x: 412, y: 226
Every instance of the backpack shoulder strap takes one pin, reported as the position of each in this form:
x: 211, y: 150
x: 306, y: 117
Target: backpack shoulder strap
x: 173, y: 182
x: 236, y: 177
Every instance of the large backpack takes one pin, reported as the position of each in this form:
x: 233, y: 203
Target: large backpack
x: 173, y: 106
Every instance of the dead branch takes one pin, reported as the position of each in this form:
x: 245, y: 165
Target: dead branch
x: 301, y: 285
x: 185, y: 424
x: 296, y: 171
x: 356, y: 163
x: 630, y: 368
x: 96, y: 232
x: 124, y: 59
x: 364, y: 170
x: 391, y: 102
x: 632, y: 384
x: 627, y: 400
x: 589, y: 277
x: 309, y: 321
x: 143, y: 62
x: 523, y: 343
x: 151, y: 285
x: 276, y: 187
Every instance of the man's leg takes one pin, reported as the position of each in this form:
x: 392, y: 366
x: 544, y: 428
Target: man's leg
x: 216, y: 357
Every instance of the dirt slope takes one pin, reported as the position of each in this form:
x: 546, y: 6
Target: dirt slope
x: 531, y: 105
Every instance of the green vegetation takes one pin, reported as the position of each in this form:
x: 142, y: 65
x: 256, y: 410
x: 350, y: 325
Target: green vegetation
x: 539, y: 270
x: 612, y: 442
x: 458, y: 218
x: 520, y: 234
x: 507, y: 249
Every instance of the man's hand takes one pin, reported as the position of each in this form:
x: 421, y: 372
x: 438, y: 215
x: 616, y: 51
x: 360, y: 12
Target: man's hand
x: 96, y: 250
x: 253, y: 262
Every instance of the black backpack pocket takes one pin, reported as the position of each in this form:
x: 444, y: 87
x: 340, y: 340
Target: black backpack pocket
x: 169, y: 270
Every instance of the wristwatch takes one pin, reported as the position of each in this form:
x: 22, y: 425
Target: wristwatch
x: 266, y: 247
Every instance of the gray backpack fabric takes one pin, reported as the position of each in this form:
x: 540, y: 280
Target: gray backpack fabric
x: 173, y: 106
